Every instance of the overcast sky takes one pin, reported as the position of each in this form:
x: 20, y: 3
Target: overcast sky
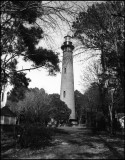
x: 51, y: 84
x: 39, y: 77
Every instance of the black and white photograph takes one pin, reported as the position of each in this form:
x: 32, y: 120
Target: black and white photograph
x: 62, y: 79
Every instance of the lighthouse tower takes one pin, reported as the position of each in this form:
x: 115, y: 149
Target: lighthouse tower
x: 67, y: 79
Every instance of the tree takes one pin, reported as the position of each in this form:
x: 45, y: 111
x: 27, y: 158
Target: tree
x: 59, y: 110
x: 93, y: 96
x: 34, y: 107
x: 97, y: 28
x: 38, y: 106
x: 22, y: 24
x: 79, y: 105
x: 20, y: 86
x: 91, y: 73
x: 89, y: 102
x: 93, y: 109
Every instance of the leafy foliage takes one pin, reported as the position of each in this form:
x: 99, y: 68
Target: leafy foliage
x: 35, y: 136
x: 93, y: 95
x: 17, y: 93
x: 20, y: 86
x: 79, y: 104
x: 59, y: 110
x: 20, y: 36
x: 39, y: 107
x: 33, y: 108
x: 101, y: 27
x: 98, y: 28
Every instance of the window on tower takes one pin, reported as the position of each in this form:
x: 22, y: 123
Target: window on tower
x: 64, y: 93
x: 64, y: 70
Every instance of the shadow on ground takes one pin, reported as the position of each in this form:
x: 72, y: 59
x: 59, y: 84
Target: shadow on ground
x: 96, y: 142
x: 77, y: 143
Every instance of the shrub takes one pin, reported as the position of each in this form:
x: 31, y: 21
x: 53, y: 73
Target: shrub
x: 8, y: 127
x: 35, y: 136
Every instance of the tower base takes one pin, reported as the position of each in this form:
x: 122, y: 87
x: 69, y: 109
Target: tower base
x: 73, y: 122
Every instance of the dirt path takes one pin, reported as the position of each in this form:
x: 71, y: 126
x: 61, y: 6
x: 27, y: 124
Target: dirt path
x: 77, y: 143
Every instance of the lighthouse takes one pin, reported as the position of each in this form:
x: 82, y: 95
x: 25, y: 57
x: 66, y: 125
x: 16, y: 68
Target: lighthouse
x: 67, y: 77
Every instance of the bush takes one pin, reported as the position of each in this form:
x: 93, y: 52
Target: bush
x: 8, y: 127
x: 35, y: 136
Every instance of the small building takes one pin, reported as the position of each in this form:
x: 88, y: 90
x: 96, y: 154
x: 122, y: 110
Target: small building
x: 7, y: 116
x: 120, y: 117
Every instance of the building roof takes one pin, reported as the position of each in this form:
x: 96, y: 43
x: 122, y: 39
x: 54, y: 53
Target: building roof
x: 5, y: 111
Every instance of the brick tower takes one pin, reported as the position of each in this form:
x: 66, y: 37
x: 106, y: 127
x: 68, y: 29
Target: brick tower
x: 67, y: 78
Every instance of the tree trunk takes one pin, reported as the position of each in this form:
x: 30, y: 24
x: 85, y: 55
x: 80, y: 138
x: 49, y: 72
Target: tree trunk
x: 80, y: 120
x: 111, y: 117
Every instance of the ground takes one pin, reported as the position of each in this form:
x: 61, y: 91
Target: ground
x: 72, y: 143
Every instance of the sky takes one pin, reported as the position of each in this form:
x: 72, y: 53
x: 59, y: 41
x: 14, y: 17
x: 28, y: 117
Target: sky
x: 40, y: 78
x: 51, y: 84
